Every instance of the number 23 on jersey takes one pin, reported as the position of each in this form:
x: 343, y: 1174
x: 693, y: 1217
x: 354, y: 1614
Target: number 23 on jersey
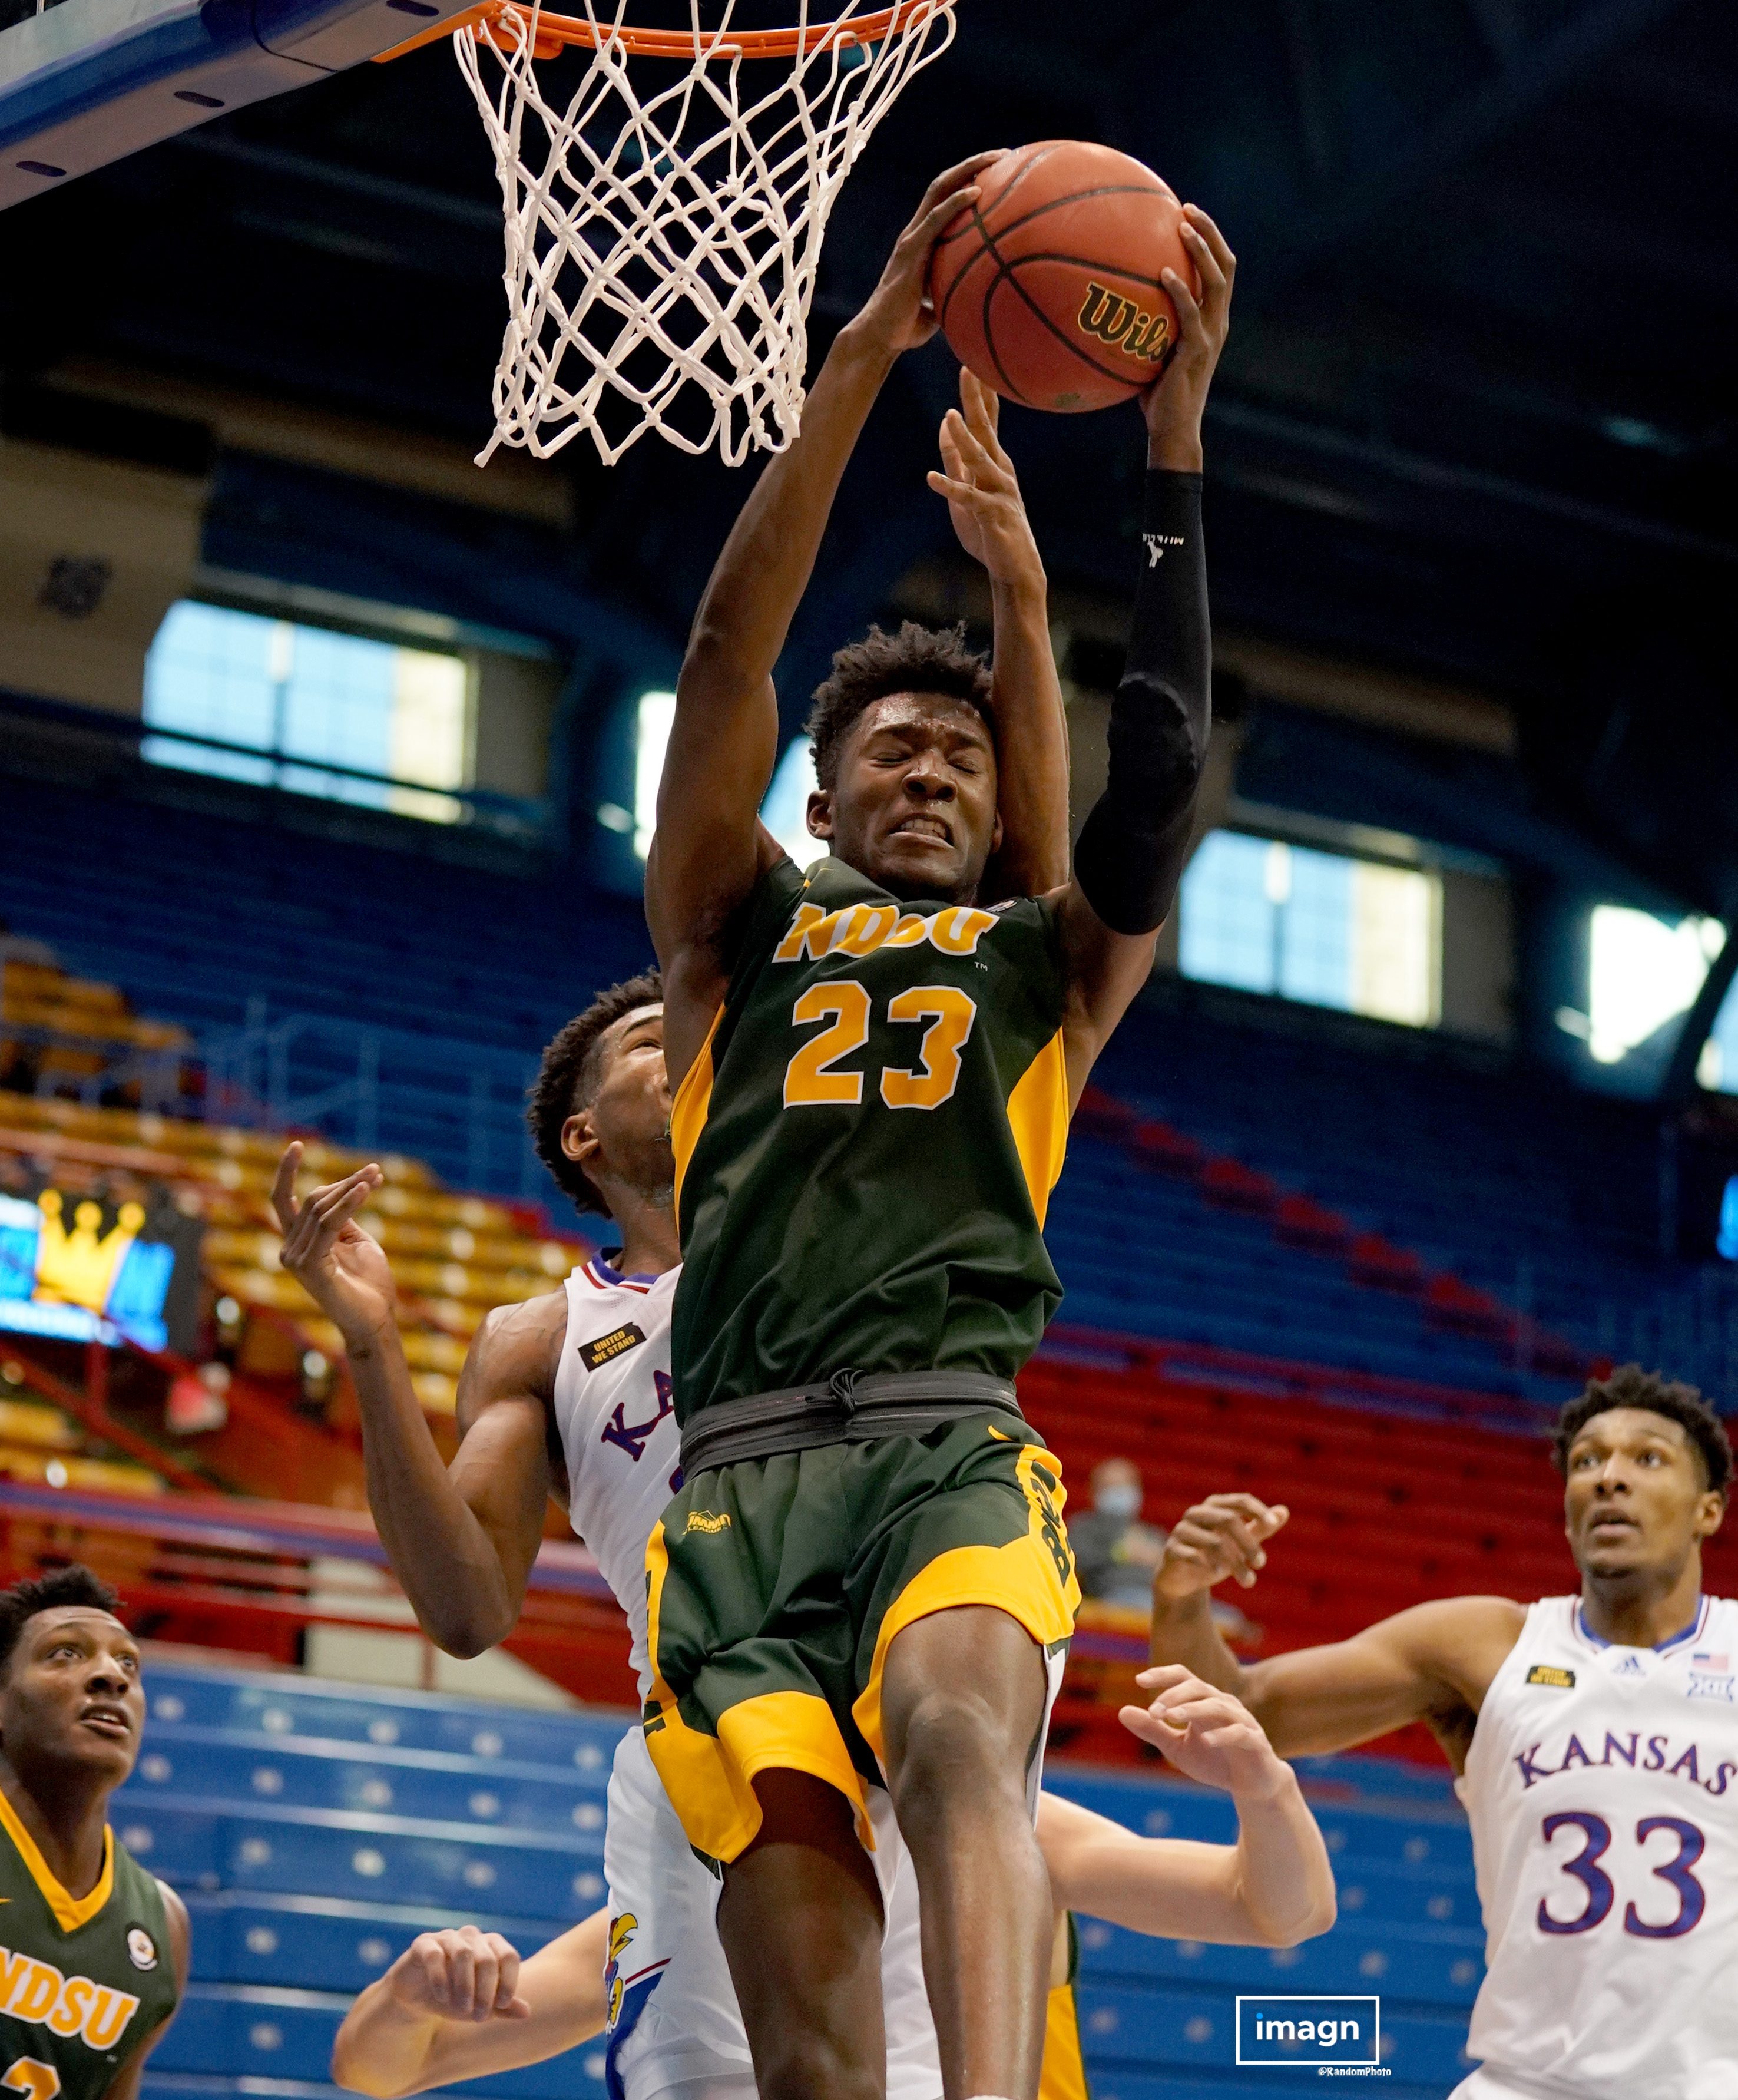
x: 811, y: 1079
x: 36, y: 2081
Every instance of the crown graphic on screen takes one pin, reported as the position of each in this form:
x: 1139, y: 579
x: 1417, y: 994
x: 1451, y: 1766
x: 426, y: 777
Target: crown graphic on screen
x: 77, y: 1267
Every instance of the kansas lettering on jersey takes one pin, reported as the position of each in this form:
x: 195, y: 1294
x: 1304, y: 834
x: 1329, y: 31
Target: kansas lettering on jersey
x: 615, y: 1415
x: 1602, y: 1787
x: 83, y: 1981
x: 866, y: 1146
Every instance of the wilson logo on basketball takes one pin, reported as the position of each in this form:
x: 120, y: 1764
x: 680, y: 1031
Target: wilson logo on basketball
x: 1122, y: 325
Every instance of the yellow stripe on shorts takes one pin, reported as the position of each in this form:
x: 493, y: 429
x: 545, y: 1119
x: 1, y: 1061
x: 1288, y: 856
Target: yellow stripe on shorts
x: 710, y: 1779
x: 1025, y: 1578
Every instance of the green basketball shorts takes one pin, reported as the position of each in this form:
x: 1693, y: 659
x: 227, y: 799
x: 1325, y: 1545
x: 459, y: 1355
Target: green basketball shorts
x: 775, y: 1585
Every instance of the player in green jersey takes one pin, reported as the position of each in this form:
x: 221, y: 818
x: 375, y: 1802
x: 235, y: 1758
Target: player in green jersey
x: 93, y: 1949
x: 865, y: 1572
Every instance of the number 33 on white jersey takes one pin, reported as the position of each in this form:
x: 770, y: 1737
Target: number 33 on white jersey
x: 1602, y: 1786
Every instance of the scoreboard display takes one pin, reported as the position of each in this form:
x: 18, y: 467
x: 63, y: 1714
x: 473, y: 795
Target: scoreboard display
x: 98, y: 1263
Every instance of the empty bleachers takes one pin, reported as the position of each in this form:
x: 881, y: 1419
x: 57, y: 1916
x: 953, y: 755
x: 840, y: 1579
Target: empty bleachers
x: 454, y: 1256
x: 1144, y: 1252
x: 1544, y: 1197
x: 43, y: 1443
x: 315, y: 1830
x: 1537, y: 1199
x: 200, y: 918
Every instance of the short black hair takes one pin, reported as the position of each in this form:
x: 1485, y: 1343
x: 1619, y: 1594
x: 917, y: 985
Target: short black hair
x: 568, y: 1077
x: 75, y: 1585
x: 916, y: 659
x: 1629, y: 1386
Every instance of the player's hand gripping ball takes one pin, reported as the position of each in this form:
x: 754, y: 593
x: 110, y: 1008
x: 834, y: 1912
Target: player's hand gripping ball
x: 1049, y: 284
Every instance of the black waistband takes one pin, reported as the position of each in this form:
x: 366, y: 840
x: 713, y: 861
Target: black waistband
x: 853, y: 1407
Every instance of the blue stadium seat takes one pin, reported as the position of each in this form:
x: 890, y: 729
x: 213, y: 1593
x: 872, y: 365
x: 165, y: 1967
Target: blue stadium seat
x: 1124, y: 2028
x: 324, y: 1942
x: 327, y: 1852
x: 300, y: 1772
x: 252, y: 2031
x: 296, y: 1904
x: 275, y: 1704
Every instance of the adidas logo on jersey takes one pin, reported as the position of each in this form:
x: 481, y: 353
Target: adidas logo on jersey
x: 1630, y: 1665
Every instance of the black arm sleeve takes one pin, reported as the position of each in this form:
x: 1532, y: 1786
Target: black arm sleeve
x: 1132, y: 846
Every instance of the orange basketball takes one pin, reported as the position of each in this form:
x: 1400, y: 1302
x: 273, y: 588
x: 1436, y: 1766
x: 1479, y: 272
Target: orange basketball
x: 1048, y: 287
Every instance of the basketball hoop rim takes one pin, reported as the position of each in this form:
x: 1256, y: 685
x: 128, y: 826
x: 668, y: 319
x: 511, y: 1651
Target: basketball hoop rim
x: 560, y: 31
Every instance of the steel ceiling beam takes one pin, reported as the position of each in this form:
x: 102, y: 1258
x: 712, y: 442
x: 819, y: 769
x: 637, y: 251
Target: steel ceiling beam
x: 1537, y: 74
x: 1436, y: 480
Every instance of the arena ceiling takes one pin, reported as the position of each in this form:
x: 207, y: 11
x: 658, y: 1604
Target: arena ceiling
x: 1475, y: 421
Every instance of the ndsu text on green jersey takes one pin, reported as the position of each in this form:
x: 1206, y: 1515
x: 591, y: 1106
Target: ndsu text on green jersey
x: 83, y: 1980
x: 865, y: 1144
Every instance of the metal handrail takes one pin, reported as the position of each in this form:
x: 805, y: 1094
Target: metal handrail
x: 250, y: 1081
x: 511, y: 815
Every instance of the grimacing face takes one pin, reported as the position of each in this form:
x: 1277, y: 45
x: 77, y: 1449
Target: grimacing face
x: 73, y: 1693
x: 1635, y: 1498
x: 624, y: 1132
x: 913, y: 806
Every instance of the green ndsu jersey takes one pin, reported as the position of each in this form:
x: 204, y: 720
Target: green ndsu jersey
x: 83, y: 1980
x: 867, y: 1143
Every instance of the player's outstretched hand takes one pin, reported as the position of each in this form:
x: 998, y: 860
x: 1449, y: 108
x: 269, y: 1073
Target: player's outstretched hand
x: 1224, y: 1535
x: 899, y: 315
x: 1206, y: 1733
x: 982, y: 489
x: 1174, y: 404
x: 342, y: 1269
x: 463, y: 1975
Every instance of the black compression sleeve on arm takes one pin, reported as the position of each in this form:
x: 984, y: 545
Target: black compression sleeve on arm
x: 1131, y: 847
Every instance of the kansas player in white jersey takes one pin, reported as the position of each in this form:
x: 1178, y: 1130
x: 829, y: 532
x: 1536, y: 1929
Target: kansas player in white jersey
x: 570, y: 1394
x: 1594, y: 1739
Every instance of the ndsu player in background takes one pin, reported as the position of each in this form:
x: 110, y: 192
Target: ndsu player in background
x: 94, y: 1950
x: 1594, y: 1740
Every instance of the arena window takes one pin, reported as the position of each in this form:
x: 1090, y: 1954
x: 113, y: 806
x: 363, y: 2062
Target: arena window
x: 222, y: 686
x: 781, y: 812
x: 785, y: 811
x: 1642, y: 972
x: 1717, y: 1066
x: 1323, y: 928
x: 656, y: 712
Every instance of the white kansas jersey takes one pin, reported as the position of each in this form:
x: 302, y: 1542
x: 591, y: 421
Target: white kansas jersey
x: 616, y: 1416
x: 1603, y: 1789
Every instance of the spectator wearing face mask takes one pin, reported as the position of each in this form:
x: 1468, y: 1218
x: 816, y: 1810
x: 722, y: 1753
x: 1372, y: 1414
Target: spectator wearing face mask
x: 1115, y: 1553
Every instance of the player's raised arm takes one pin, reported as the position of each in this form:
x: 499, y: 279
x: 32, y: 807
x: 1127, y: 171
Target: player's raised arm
x: 1272, y: 1888
x: 461, y: 1544
x: 1133, y: 846
x: 709, y: 849
x: 459, y: 2004
x: 1433, y: 1663
x: 1031, y: 724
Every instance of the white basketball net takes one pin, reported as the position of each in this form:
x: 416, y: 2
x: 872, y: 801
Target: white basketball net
x: 663, y: 251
